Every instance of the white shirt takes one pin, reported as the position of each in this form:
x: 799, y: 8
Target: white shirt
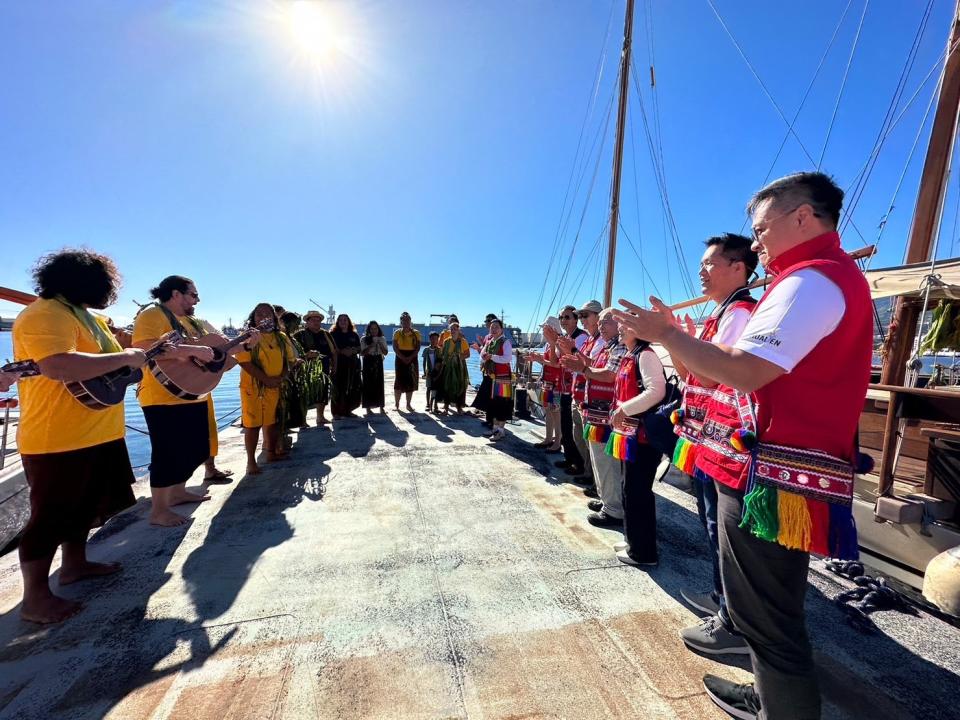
x: 650, y: 370
x: 796, y: 315
x: 731, y: 326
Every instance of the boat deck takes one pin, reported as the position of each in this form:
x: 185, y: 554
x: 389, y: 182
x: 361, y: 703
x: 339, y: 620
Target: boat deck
x: 403, y: 567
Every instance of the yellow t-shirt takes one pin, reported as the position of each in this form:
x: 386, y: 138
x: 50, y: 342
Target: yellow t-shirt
x: 51, y: 419
x: 151, y: 325
x: 270, y: 357
x: 444, y: 336
x: 406, y: 341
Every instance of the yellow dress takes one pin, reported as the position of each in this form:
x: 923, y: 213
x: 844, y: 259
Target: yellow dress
x: 259, y: 404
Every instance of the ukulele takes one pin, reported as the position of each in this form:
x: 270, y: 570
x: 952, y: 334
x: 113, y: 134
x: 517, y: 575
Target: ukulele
x: 102, y: 391
x: 192, y: 379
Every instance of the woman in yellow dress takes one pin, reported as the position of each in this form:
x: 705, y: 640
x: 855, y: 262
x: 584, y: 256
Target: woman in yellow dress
x: 264, y: 368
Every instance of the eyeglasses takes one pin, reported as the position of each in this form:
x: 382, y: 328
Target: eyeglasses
x: 567, y: 317
x: 711, y: 264
x: 194, y: 295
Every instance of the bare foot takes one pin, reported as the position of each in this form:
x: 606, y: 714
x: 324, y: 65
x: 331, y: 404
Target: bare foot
x: 87, y: 570
x: 51, y: 609
x: 277, y: 457
x: 322, y: 421
x: 410, y: 408
x: 167, y: 518
x: 253, y: 469
x: 186, y: 497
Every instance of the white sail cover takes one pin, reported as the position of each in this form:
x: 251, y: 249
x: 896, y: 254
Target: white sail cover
x: 910, y: 280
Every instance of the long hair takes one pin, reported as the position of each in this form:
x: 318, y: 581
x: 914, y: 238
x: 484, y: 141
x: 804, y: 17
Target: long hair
x: 251, y: 320
x: 367, y: 333
x: 82, y: 277
x: 164, y: 291
x: 336, y: 323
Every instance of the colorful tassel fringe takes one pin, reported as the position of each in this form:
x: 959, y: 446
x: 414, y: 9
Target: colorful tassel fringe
x: 743, y: 440
x: 685, y: 455
x: 621, y: 447
x: 596, y: 433
x: 502, y: 390
x: 676, y: 417
x: 799, y: 523
x: 546, y: 397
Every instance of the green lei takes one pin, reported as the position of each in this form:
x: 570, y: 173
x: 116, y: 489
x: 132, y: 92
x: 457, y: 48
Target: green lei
x: 105, y: 340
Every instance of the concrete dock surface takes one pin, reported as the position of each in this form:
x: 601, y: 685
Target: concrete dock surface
x: 403, y: 566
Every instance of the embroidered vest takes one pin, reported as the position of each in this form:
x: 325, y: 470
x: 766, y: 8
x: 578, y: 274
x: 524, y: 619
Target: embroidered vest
x: 580, y: 381
x: 596, y: 393
x: 628, y: 383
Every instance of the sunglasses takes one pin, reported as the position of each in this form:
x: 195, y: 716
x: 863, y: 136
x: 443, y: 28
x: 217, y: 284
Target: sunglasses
x: 567, y: 317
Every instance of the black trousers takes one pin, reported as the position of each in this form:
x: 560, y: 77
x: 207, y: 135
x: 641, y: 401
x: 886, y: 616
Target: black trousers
x: 640, y: 505
x: 570, y: 452
x: 765, y: 585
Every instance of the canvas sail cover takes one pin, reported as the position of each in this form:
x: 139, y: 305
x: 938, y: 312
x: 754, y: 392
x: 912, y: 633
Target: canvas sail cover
x: 909, y: 280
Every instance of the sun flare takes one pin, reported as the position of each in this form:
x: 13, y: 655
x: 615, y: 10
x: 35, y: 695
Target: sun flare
x: 317, y: 33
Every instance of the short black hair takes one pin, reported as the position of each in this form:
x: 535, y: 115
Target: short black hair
x: 434, y: 334
x: 735, y: 248
x: 164, y: 291
x: 815, y: 189
x: 498, y: 321
x: 80, y: 276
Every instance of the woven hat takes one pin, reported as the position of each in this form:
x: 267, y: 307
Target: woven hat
x: 593, y: 306
x: 313, y: 314
x: 553, y: 322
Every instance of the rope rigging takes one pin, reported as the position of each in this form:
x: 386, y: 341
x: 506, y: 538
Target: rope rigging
x: 562, y: 222
x: 843, y: 84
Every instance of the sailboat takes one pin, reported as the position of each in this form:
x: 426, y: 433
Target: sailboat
x: 908, y: 508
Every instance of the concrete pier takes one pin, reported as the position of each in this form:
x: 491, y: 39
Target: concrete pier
x: 402, y: 566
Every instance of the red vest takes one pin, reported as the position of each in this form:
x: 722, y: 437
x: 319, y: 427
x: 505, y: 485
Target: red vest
x: 629, y: 384
x: 696, y: 397
x: 495, y: 369
x: 596, y: 392
x: 817, y: 405
x: 580, y: 381
x: 551, y: 374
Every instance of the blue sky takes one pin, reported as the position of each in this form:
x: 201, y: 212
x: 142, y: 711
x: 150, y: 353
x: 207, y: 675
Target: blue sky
x: 416, y: 156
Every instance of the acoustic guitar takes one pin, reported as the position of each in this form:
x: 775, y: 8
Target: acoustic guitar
x: 193, y: 378
x: 102, y: 391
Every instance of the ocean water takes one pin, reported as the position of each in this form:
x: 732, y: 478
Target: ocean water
x: 226, y: 400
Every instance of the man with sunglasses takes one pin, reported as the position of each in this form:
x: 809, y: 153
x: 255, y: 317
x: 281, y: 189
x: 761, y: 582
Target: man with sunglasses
x: 806, y: 354
x: 573, y: 462
x: 182, y: 434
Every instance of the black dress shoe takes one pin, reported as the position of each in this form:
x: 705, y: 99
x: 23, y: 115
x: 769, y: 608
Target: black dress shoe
x: 561, y: 464
x: 601, y: 519
x: 595, y: 505
x: 591, y: 492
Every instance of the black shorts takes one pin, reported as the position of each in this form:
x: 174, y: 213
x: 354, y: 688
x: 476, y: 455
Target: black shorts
x: 72, y: 492
x: 179, y: 441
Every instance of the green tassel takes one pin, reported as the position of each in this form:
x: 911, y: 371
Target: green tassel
x: 760, y: 513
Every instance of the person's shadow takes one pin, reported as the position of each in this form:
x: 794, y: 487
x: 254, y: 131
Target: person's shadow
x: 428, y: 425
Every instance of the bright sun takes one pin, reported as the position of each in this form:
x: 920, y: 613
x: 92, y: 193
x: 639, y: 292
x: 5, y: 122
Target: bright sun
x: 317, y: 31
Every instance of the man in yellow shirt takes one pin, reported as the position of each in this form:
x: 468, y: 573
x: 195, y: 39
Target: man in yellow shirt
x: 179, y: 428
x: 406, y: 348
x: 74, y: 458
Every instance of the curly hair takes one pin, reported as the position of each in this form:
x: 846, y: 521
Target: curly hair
x: 251, y: 320
x: 367, y: 332
x: 81, y: 276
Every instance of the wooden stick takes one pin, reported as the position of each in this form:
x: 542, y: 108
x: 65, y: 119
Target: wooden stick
x: 16, y: 296
x: 855, y: 255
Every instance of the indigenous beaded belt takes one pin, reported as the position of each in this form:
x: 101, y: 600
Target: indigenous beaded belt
x: 802, y: 500
x: 596, y: 424
x: 622, y: 443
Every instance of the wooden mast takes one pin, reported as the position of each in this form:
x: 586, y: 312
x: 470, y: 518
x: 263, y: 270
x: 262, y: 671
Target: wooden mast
x: 618, y: 152
x: 933, y: 186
